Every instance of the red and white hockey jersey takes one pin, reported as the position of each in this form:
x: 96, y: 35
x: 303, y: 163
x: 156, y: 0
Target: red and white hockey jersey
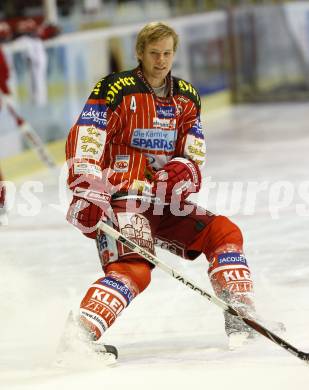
x: 126, y: 127
x: 4, y: 74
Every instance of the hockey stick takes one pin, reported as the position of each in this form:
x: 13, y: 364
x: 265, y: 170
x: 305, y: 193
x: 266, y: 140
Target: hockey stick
x: 212, y: 298
x: 32, y: 138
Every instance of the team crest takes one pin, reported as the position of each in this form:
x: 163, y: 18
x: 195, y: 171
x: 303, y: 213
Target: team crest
x: 121, y: 163
x: 137, y: 229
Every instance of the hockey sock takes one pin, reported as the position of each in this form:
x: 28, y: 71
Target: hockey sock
x: 231, y: 280
x: 104, y: 301
x: 230, y: 275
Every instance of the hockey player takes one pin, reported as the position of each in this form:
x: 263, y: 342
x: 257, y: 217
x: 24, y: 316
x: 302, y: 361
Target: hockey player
x: 4, y: 74
x: 134, y: 156
x: 2, y: 198
x: 5, y: 36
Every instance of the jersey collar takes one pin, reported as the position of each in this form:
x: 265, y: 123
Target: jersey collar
x: 141, y: 76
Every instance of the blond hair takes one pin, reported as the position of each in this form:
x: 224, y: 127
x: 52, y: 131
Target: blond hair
x: 153, y: 32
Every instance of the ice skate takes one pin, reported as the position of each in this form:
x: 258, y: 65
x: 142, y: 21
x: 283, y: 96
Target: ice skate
x: 78, y: 347
x: 239, y: 333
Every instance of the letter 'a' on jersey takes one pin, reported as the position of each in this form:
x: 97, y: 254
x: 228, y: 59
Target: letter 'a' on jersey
x: 126, y: 127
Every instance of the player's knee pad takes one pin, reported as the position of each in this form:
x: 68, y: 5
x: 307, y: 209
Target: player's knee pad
x: 104, y: 302
x: 229, y: 273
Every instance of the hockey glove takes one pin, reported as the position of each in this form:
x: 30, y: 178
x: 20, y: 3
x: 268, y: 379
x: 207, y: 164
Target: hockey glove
x: 90, y: 204
x: 178, y: 178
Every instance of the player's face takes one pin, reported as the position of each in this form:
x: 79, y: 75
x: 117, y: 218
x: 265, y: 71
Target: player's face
x: 157, y: 60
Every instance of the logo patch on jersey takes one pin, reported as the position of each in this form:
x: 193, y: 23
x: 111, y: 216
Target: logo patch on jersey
x: 121, y: 163
x: 87, y: 169
x: 93, y: 114
x: 187, y: 87
x: 118, y: 85
x: 154, y: 139
x: 232, y: 258
x: 195, y: 147
x: 107, y: 249
x: 90, y: 142
x: 136, y: 228
x: 196, y: 129
x: 165, y: 111
x: 183, y: 99
x: 164, y: 123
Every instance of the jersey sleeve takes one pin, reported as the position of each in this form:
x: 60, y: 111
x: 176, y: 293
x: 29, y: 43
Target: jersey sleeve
x: 93, y: 130
x: 191, y: 142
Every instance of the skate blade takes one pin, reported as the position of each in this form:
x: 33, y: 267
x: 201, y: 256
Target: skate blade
x: 73, y: 360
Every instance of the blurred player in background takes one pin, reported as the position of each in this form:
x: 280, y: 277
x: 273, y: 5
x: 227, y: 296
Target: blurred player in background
x: 30, y: 36
x: 5, y: 36
x: 134, y: 157
x: 2, y: 197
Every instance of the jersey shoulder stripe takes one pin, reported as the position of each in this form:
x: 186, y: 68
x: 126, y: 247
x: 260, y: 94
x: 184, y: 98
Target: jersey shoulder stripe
x: 115, y: 86
x: 182, y: 87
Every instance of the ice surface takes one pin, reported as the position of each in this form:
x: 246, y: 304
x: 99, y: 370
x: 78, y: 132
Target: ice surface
x: 170, y: 337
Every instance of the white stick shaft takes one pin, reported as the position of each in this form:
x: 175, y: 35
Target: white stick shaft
x: 29, y: 134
